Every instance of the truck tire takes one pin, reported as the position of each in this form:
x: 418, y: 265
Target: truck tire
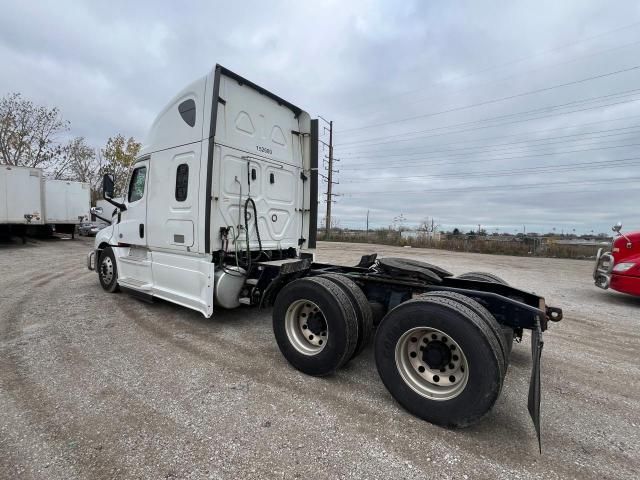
x: 483, y: 313
x: 482, y: 277
x: 108, y: 270
x: 379, y: 311
x: 507, y: 332
x: 361, y: 306
x: 413, y: 344
x: 315, y: 325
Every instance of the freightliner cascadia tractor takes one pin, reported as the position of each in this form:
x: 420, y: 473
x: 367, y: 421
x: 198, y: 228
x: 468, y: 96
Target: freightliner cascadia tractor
x: 619, y: 268
x: 221, y: 211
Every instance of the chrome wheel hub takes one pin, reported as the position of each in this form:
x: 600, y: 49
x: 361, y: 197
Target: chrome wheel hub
x: 432, y: 363
x: 106, y: 270
x: 306, y: 327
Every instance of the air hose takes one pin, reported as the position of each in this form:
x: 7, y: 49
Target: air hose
x: 246, y: 229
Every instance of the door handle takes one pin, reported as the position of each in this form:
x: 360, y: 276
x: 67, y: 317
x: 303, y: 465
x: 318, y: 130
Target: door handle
x: 141, y: 230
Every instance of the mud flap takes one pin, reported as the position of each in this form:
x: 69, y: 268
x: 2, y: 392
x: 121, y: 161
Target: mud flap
x: 534, y: 384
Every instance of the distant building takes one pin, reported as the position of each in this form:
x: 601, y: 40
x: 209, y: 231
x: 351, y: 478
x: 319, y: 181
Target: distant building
x: 420, y: 235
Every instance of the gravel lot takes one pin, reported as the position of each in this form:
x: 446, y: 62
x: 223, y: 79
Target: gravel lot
x: 94, y: 385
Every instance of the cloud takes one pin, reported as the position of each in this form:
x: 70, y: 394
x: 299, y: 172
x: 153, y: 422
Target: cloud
x: 110, y: 67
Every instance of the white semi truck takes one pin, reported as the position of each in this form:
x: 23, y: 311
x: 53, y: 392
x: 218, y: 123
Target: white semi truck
x: 221, y: 211
x: 33, y: 204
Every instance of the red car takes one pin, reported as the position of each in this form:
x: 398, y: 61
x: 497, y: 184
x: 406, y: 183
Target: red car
x: 619, y: 269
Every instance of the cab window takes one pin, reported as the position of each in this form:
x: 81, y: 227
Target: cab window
x: 136, y: 184
x: 182, y: 182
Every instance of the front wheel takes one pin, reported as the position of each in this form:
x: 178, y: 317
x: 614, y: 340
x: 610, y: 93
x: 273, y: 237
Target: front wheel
x: 108, y: 270
x: 440, y: 361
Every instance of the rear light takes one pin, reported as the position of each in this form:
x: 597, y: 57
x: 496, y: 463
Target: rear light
x: 623, y: 267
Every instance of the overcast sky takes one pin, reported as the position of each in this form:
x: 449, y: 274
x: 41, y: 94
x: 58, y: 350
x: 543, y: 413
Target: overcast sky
x: 417, y: 91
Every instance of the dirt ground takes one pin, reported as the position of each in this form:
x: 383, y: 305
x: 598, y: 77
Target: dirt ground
x: 99, y: 386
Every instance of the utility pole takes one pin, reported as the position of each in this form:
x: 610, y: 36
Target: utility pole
x: 329, y: 178
x: 367, y: 225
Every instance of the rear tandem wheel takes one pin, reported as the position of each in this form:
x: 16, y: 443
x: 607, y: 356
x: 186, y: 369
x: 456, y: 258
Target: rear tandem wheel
x: 501, y: 332
x: 440, y: 360
x: 482, y: 277
x: 315, y: 325
x: 507, y: 332
x: 361, y: 307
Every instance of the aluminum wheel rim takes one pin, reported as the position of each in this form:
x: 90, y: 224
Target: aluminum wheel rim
x: 106, y: 270
x: 306, y: 327
x: 443, y: 383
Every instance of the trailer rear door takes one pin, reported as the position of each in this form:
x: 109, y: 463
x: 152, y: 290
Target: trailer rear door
x: 20, y: 195
x: 65, y: 201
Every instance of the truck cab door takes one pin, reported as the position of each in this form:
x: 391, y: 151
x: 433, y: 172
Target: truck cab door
x: 132, y: 227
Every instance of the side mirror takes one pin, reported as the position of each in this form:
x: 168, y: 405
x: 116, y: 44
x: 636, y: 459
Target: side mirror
x: 107, y: 186
x: 617, y: 227
x: 107, y: 192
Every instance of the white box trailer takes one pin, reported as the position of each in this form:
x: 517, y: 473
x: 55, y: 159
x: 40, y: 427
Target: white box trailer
x: 21, y: 196
x: 32, y: 204
x: 66, y: 204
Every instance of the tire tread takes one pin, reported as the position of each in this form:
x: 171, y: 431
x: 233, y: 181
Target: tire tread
x: 482, y: 312
x: 360, y: 303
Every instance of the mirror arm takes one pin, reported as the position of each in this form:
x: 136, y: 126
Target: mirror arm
x: 119, y: 205
x: 102, y: 218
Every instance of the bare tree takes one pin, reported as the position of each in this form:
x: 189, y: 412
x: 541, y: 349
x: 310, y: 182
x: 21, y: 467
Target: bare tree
x: 399, y: 223
x: 428, y: 225
x: 78, y: 161
x: 29, y: 132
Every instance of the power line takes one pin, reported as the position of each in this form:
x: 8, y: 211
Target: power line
x: 456, y: 156
x: 632, y: 161
x: 521, y: 59
x: 493, y: 188
x: 531, y: 132
x: 501, y: 146
x: 483, y: 160
x: 495, y: 100
x: 488, y: 126
x: 628, y: 93
x: 625, y: 93
x: 415, y: 101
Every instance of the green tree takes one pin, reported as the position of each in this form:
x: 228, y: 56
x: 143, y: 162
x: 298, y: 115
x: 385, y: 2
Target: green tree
x: 116, y: 158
